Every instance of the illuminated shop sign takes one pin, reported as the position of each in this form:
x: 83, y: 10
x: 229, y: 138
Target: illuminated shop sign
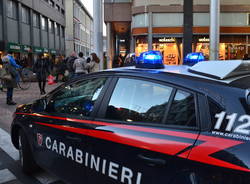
x: 166, y: 39
x: 204, y: 39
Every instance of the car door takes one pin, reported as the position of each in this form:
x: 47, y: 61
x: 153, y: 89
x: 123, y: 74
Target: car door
x: 62, y: 129
x: 143, y: 127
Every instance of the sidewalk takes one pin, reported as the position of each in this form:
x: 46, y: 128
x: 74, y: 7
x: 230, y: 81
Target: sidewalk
x: 20, y: 97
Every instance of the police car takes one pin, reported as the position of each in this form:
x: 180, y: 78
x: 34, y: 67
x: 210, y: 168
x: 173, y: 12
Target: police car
x: 138, y: 125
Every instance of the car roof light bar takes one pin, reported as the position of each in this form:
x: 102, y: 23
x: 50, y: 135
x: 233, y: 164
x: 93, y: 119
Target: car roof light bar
x: 221, y: 69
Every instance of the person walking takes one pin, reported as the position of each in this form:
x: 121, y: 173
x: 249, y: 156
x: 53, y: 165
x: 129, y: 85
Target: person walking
x: 9, y: 82
x: 94, y: 63
x: 14, y: 65
x: 42, y: 70
x: 69, y: 62
x: 80, y: 66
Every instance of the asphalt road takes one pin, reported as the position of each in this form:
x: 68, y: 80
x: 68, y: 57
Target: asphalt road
x: 10, y: 170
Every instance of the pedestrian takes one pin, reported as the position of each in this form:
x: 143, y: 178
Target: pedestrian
x: 69, y: 62
x: 62, y: 68
x: 245, y: 57
x: 80, y: 66
x: 105, y: 61
x: 14, y: 65
x: 9, y: 81
x: 117, y: 61
x: 42, y: 70
x: 94, y: 63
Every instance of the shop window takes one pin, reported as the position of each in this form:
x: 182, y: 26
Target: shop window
x: 25, y: 15
x: 12, y: 9
x: 44, y: 24
x: 36, y: 20
x: 138, y: 101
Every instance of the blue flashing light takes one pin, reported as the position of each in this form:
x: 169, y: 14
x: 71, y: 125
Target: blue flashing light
x: 193, y: 58
x: 150, y: 59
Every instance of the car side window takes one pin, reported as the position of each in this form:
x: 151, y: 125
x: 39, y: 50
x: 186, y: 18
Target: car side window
x: 182, y: 110
x: 215, y: 108
x: 138, y: 101
x: 77, y: 98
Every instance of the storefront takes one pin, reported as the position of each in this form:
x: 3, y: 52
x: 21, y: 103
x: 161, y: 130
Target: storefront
x: 27, y: 56
x: 170, y: 47
x: 231, y: 47
x: 16, y: 49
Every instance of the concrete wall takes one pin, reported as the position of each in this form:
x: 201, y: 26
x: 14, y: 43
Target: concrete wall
x: 45, y: 39
x: 12, y: 30
x: 69, y: 31
x: 117, y: 12
x: 25, y: 34
x: 36, y: 37
x: 180, y: 2
x: 45, y: 9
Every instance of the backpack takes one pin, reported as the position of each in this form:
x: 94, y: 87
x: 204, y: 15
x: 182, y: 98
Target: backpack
x: 70, y: 63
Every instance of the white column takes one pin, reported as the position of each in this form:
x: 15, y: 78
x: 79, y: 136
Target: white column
x: 150, y: 31
x: 109, y: 45
x: 214, y: 29
x: 98, y: 32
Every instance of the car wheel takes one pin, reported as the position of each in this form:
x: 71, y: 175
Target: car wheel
x: 26, y: 158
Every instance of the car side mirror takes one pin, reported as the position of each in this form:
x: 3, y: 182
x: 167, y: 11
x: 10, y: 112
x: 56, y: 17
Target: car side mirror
x: 39, y: 105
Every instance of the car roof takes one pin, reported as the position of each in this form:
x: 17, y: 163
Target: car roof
x: 222, y: 73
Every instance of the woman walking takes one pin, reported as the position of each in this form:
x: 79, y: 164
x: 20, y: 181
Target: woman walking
x: 9, y: 80
x: 42, y: 70
x: 94, y: 63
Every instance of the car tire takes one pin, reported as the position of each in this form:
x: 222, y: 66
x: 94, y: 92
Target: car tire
x: 26, y: 158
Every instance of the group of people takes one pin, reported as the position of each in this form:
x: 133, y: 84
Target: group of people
x: 72, y: 66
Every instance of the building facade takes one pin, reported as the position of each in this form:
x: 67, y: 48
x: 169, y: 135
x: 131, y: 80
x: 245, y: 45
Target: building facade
x: 79, y: 28
x: 161, y: 23
x: 32, y: 27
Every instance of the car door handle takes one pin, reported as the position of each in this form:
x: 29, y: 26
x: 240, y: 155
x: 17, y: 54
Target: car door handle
x: 152, y: 161
x: 74, y: 138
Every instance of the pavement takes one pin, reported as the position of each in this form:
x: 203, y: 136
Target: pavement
x: 10, y: 169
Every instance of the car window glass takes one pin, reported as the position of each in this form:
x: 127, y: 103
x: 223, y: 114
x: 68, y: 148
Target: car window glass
x: 77, y: 98
x: 139, y: 101
x: 215, y: 108
x: 182, y: 110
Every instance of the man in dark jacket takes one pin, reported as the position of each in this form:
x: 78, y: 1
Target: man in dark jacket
x: 42, y: 70
x: 70, y: 62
